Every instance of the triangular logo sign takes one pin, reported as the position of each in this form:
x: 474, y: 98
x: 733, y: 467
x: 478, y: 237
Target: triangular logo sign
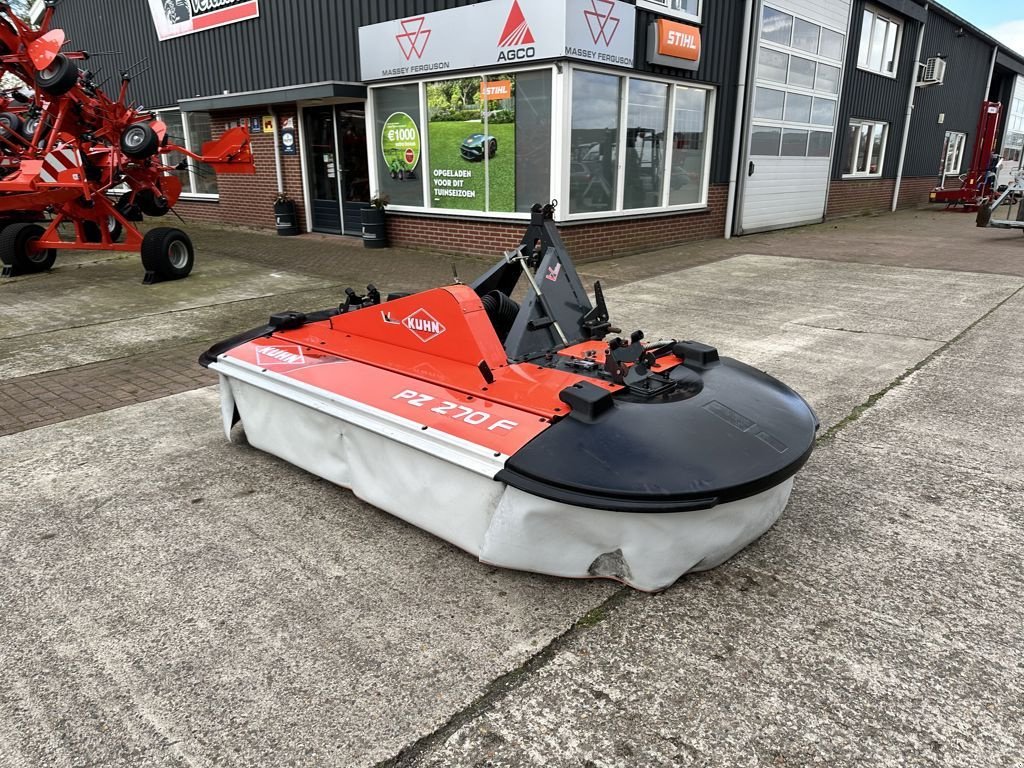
x: 517, y: 31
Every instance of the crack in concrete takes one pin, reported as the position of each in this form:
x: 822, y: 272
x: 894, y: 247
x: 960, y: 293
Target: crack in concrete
x: 873, y: 399
x: 508, y: 682
x: 866, y: 333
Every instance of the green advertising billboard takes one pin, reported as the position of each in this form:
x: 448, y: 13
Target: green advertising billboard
x: 472, y: 133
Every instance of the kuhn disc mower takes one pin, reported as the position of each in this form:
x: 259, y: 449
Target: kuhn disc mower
x: 65, y: 147
x: 514, y: 431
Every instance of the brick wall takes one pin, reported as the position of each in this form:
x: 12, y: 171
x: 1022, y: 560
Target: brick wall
x: 249, y: 200
x: 914, y: 191
x: 856, y: 197
x: 584, y: 241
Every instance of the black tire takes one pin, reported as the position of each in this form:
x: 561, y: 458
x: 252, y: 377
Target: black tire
x: 28, y: 127
x: 492, y: 148
x: 15, y: 242
x: 58, y: 78
x: 151, y: 204
x: 10, y: 124
x: 139, y: 140
x: 168, y: 253
x: 93, y: 234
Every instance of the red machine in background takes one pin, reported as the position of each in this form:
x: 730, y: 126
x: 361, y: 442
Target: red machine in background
x: 65, y: 146
x: 979, y: 181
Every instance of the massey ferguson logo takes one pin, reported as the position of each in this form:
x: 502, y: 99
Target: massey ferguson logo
x: 516, y: 34
x: 423, y: 325
x: 414, y: 37
x: 603, y: 25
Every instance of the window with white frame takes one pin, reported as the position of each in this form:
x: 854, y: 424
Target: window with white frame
x: 954, y: 158
x: 865, y: 149
x: 636, y: 143
x: 880, y: 35
x: 190, y: 130
x: 680, y: 9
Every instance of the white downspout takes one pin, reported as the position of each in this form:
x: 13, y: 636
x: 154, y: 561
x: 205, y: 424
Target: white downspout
x: 277, y: 151
x: 910, y: 110
x: 738, y: 120
x: 991, y: 71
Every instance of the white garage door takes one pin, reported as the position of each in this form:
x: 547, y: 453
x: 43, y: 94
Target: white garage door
x: 792, y: 118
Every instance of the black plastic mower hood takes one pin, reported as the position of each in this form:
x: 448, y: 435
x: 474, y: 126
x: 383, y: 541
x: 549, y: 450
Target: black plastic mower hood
x: 743, y: 433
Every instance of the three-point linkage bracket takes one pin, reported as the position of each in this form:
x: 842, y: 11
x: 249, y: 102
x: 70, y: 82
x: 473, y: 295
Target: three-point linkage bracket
x: 630, y: 365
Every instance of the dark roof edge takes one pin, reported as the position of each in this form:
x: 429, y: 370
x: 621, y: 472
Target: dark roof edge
x: 285, y: 94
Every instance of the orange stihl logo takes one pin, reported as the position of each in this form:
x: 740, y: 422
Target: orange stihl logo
x: 678, y: 40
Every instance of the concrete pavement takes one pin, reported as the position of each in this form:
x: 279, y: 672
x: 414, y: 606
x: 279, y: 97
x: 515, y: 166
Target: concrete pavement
x: 170, y: 598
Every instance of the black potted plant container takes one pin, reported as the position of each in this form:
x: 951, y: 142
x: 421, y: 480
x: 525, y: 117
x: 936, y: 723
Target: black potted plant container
x: 375, y: 230
x: 284, y: 214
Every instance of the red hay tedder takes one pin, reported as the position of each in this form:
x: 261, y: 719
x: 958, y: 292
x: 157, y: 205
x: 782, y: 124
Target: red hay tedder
x: 65, y: 147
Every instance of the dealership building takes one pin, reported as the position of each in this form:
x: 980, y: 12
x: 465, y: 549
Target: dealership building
x: 650, y: 122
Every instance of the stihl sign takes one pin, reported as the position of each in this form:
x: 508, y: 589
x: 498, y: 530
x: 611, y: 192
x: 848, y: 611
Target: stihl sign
x: 499, y: 31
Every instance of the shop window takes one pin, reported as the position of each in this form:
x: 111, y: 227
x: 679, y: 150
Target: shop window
x: 533, y: 138
x: 865, y: 149
x: 594, y: 140
x: 680, y: 9
x: 489, y: 145
x: 598, y: 180
x: 190, y: 130
x: 646, y: 120
x: 689, y: 142
x: 954, y: 154
x: 879, y: 42
x: 397, y: 110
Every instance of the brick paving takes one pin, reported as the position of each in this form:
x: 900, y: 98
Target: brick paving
x: 27, y: 402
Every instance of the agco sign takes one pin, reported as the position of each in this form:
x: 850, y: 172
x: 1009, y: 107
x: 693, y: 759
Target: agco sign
x: 503, y: 32
x: 515, y: 36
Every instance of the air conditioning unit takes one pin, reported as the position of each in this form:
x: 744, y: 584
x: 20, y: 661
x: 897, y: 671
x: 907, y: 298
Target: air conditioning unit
x: 934, y: 71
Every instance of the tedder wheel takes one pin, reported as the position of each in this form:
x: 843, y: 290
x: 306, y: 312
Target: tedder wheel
x: 167, y: 254
x: 150, y: 204
x: 10, y: 124
x: 16, y: 251
x: 92, y: 230
x: 139, y: 140
x: 58, y: 78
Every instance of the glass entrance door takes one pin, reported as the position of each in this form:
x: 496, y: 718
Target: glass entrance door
x: 324, y: 192
x: 338, y: 168
x: 355, y: 168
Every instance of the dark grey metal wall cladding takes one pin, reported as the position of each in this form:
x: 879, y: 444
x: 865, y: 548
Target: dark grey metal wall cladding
x: 293, y: 42
x: 968, y: 60
x: 307, y: 41
x: 870, y: 96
